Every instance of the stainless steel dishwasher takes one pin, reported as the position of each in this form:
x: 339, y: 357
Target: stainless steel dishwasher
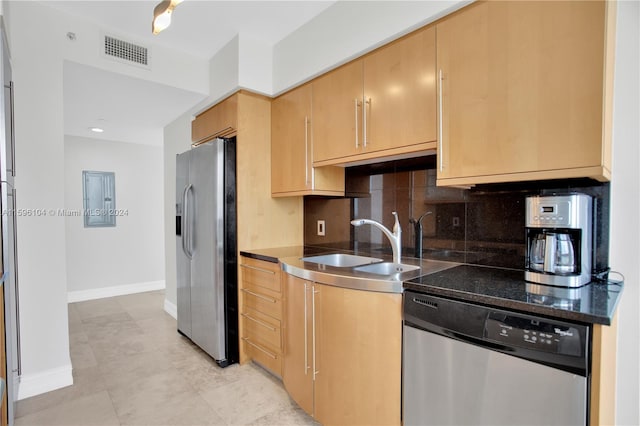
x: 466, y: 364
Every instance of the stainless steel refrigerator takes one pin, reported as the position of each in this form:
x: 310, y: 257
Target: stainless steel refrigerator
x: 9, y: 238
x: 206, y: 248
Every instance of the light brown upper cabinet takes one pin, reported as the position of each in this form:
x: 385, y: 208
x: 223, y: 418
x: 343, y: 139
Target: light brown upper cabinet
x: 221, y: 120
x: 525, y: 91
x: 381, y: 105
x: 292, y: 172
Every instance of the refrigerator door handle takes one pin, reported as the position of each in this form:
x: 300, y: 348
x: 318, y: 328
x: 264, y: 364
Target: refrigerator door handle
x: 185, y: 237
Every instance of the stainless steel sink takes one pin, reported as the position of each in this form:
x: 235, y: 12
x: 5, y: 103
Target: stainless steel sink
x: 341, y: 260
x: 386, y: 268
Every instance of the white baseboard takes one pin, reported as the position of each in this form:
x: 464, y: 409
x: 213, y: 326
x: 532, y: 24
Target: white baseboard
x: 118, y: 290
x: 171, y: 308
x: 35, y: 384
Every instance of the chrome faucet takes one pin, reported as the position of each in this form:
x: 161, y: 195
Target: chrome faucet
x: 395, y: 238
x: 418, y: 234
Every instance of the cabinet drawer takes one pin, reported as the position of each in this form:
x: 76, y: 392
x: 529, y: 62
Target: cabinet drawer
x: 262, y: 329
x: 264, y: 356
x: 260, y: 273
x: 257, y: 299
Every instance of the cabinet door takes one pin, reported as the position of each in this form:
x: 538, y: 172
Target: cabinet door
x: 291, y: 170
x: 358, y: 356
x: 522, y: 89
x: 290, y: 141
x: 297, y: 374
x: 337, y: 113
x: 221, y: 120
x: 400, y: 93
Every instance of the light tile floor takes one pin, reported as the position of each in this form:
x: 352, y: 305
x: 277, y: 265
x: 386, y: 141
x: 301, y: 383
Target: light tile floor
x: 131, y: 367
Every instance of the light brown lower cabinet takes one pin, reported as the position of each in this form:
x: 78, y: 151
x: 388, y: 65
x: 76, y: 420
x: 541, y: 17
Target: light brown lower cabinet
x: 343, y: 352
x: 260, y: 302
x: 603, y: 374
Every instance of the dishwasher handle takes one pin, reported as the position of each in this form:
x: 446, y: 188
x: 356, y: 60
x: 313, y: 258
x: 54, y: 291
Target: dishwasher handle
x: 476, y: 341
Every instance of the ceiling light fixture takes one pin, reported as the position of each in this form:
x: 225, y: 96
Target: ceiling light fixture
x: 162, y: 15
x: 96, y: 129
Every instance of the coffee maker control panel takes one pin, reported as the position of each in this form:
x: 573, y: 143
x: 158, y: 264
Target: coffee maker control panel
x: 556, y: 215
x: 555, y: 212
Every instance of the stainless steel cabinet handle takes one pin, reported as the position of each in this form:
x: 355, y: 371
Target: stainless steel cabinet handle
x: 364, y: 121
x: 355, y: 101
x: 306, y: 151
x: 13, y: 133
x: 16, y: 283
x: 259, y: 296
x: 306, y: 346
x: 255, y: 268
x: 313, y: 328
x: 256, y: 320
x: 260, y: 348
x: 440, y: 152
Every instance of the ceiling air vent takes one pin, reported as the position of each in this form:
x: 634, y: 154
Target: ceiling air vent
x: 125, y: 51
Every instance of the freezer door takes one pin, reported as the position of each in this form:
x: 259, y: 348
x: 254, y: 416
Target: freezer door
x: 183, y: 264
x: 206, y: 242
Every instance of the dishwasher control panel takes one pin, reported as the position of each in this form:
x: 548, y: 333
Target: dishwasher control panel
x: 536, y: 334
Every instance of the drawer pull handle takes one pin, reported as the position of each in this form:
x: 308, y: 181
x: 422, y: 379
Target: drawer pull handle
x: 259, y: 348
x: 262, y: 323
x: 259, y: 296
x: 255, y: 268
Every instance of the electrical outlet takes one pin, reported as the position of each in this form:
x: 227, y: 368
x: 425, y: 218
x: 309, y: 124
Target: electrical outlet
x: 456, y: 222
x: 321, y: 228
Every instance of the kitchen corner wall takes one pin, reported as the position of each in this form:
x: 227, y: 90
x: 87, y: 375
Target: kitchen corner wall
x: 625, y: 208
x: 177, y: 139
x: 107, y: 261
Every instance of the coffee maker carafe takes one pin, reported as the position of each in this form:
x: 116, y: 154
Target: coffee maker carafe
x: 559, y: 240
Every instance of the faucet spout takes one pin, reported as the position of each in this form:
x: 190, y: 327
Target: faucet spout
x: 395, y: 237
x: 418, y: 234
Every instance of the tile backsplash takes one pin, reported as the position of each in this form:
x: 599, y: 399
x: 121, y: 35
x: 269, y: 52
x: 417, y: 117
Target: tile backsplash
x: 480, y: 225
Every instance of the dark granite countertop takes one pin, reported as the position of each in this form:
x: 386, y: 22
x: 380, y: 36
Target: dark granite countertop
x: 594, y: 303
x: 274, y: 254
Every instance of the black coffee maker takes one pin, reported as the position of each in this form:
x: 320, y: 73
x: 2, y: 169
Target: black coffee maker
x: 559, y: 240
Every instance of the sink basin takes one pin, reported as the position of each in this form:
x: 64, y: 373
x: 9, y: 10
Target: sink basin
x: 341, y: 260
x: 386, y: 268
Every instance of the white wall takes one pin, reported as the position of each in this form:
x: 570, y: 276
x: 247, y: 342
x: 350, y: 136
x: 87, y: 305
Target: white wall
x: 243, y: 63
x: 346, y: 30
x: 38, y: 44
x: 625, y: 208
x: 177, y: 139
x: 130, y: 254
x: 224, y: 72
x: 255, y: 65
x: 39, y: 182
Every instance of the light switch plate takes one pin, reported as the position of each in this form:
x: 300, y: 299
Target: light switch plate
x: 321, y: 228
